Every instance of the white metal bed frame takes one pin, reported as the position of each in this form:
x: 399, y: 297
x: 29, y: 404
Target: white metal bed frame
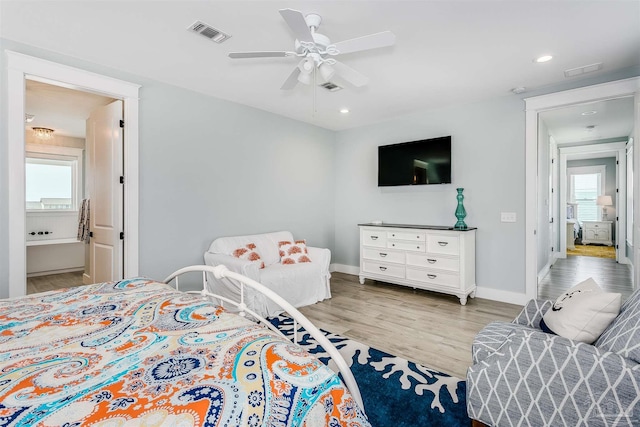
x: 221, y: 271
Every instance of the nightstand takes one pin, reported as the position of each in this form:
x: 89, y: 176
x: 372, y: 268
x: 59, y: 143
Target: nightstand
x: 597, y: 232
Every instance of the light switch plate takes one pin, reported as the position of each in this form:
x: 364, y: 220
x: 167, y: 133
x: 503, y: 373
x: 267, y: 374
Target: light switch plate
x: 507, y: 216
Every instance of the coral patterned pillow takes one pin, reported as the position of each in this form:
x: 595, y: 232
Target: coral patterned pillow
x: 250, y: 253
x: 293, y: 253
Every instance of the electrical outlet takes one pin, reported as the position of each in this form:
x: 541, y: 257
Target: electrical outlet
x: 507, y: 216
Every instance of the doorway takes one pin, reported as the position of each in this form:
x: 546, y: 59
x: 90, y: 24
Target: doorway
x: 22, y: 67
x: 59, y: 180
x: 553, y: 102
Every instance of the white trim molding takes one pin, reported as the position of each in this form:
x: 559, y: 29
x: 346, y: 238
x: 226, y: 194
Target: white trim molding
x: 343, y: 268
x: 21, y: 67
x: 538, y: 104
x: 502, y: 296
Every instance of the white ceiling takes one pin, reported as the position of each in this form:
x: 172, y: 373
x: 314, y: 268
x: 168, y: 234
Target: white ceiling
x: 447, y: 52
x: 613, y: 119
x: 61, y: 109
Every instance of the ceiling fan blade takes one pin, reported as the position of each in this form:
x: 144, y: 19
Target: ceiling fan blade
x: 241, y: 55
x: 372, y: 41
x: 295, y: 20
x: 292, y: 80
x: 350, y: 75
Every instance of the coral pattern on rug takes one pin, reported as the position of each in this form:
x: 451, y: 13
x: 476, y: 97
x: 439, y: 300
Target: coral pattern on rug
x: 396, y: 392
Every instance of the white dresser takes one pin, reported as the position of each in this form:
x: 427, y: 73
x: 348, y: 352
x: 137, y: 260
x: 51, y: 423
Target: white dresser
x: 597, y: 232
x: 427, y: 257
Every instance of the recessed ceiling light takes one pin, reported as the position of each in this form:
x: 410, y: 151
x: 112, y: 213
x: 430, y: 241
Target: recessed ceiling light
x: 544, y: 58
x: 588, y: 113
x: 518, y: 90
x: 344, y: 110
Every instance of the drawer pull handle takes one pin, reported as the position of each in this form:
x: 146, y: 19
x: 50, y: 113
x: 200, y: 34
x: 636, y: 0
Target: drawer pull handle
x: 383, y: 254
x: 393, y: 235
x: 393, y: 244
x: 443, y: 243
x: 374, y: 237
x: 383, y: 268
x: 431, y: 260
x: 431, y: 276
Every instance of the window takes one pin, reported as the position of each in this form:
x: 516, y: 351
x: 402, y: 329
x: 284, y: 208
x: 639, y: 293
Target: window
x: 53, y: 177
x: 585, y: 185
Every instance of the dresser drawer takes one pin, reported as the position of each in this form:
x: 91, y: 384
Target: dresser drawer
x: 377, y: 238
x: 427, y: 276
x: 423, y: 260
x: 441, y: 244
x: 404, y: 235
x: 383, y: 255
x: 406, y: 246
x: 396, y: 271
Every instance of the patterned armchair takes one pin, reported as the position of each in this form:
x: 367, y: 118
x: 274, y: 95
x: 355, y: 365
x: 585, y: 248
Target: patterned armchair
x: 523, y: 376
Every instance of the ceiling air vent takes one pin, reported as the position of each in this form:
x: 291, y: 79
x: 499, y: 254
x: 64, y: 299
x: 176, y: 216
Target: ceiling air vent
x: 583, y: 70
x: 331, y: 87
x: 208, y: 31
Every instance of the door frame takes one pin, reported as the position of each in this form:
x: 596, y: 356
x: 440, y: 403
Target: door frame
x: 538, y: 104
x: 21, y: 67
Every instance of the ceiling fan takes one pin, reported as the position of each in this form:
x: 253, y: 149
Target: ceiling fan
x: 316, y: 51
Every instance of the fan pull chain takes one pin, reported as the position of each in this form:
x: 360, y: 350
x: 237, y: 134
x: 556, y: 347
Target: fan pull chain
x: 313, y: 113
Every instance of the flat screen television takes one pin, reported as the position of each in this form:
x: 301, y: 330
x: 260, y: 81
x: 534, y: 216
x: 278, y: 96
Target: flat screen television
x: 423, y: 162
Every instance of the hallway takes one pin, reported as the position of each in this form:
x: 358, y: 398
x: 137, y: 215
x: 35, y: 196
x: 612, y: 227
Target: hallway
x: 566, y: 273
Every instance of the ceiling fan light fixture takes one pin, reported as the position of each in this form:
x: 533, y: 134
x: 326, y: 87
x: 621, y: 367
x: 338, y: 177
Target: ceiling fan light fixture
x: 304, y: 78
x: 306, y: 66
x: 326, y: 71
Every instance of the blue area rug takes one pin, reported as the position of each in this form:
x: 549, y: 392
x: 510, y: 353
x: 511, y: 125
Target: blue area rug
x: 396, y: 392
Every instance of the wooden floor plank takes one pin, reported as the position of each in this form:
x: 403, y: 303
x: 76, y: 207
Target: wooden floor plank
x: 568, y: 272
x: 425, y: 327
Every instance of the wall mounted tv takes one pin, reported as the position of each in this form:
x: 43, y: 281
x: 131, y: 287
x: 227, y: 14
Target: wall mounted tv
x: 421, y: 162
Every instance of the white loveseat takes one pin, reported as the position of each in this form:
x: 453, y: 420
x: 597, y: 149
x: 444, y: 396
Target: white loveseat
x: 300, y: 284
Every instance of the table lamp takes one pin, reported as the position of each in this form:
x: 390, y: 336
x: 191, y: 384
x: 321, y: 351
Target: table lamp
x: 604, y: 201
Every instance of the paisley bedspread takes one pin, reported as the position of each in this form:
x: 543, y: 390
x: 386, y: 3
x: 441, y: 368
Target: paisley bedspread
x: 139, y: 353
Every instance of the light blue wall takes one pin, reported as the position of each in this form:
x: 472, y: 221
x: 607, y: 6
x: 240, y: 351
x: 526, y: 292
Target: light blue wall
x: 209, y: 168
x: 487, y: 161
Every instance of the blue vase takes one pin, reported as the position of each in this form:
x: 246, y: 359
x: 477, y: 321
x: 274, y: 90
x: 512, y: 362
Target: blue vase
x: 461, y: 213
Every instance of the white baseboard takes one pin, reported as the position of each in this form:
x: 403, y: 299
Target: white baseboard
x: 543, y: 272
x: 486, y: 293
x: 343, y: 268
x: 86, y: 279
x: 47, y: 273
x: 502, y: 296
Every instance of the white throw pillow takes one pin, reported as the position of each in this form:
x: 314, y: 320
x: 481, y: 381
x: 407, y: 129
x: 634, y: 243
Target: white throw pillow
x: 583, y: 312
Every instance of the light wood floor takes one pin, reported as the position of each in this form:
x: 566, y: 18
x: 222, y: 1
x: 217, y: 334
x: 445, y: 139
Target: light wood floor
x: 428, y: 328
x: 53, y: 282
x: 566, y: 273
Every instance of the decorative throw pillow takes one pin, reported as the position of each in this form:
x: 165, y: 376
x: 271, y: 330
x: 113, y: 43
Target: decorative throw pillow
x: 250, y: 253
x: 582, y: 313
x: 293, y: 253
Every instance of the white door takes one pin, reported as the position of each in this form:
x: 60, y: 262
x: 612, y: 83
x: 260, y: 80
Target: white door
x: 105, y: 191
